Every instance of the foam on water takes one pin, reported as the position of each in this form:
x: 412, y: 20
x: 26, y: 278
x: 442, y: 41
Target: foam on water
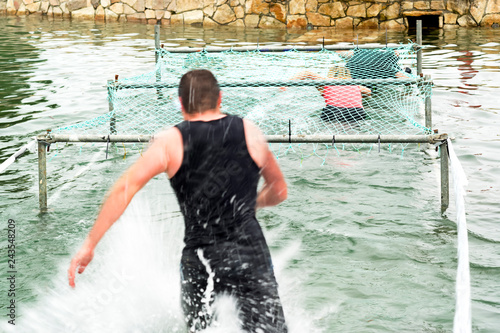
x: 133, y: 283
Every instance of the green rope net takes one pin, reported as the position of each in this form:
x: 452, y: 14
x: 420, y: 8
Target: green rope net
x: 354, y: 92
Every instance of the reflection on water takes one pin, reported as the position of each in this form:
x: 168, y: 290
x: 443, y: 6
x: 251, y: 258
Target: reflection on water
x: 358, y: 246
x: 468, y: 73
x: 18, y: 58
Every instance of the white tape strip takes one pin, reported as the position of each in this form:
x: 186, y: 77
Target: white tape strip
x: 18, y: 153
x: 463, y: 320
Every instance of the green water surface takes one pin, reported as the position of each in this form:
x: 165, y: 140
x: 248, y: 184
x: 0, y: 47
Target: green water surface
x: 372, y: 251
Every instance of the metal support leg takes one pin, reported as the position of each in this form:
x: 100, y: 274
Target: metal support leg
x: 419, y: 52
x: 157, y: 59
x: 112, y: 121
x: 445, y: 178
x: 157, y: 42
x: 428, y: 105
x: 42, y: 175
x: 428, y: 112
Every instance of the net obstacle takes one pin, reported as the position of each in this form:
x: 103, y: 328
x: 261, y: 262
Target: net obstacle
x: 265, y: 85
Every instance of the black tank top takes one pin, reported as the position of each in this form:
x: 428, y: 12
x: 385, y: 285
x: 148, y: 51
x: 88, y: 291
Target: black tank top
x: 216, y: 184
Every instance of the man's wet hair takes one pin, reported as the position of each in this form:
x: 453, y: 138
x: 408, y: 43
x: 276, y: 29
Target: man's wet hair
x: 199, y: 91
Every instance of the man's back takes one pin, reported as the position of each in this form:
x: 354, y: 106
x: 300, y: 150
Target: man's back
x: 226, y: 251
x: 216, y: 184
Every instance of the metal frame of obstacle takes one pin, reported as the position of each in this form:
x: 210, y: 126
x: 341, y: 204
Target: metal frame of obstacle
x: 440, y: 140
x: 159, y: 48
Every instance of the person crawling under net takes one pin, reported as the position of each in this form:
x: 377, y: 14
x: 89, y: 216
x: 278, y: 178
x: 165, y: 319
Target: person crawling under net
x: 375, y: 64
x: 214, y: 162
x: 343, y: 102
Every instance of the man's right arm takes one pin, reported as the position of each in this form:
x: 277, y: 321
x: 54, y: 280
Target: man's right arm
x: 161, y: 156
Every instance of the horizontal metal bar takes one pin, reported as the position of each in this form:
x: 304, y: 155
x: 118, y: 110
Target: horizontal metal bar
x: 287, y: 83
x: 275, y: 48
x: 285, y: 138
x: 52, y: 138
x: 342, y: 138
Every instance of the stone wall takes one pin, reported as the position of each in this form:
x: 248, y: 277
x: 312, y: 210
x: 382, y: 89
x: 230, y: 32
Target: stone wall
x: 346, y: 14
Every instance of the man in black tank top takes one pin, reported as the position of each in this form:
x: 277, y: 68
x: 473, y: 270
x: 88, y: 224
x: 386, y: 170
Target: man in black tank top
x: 214, y: 162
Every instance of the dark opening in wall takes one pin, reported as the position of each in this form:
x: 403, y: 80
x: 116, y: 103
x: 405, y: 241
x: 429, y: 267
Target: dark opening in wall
x: 428, y: 21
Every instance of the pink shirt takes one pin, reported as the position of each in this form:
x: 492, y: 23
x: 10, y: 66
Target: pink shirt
x: 343, y: 96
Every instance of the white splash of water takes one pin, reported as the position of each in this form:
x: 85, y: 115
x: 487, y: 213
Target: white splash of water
x: 210, y: 284
x: 226, y: 311
x: 133, y: 283
x: 257, y: 114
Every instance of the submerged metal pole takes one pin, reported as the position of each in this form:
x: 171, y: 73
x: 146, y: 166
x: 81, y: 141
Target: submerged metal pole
x: 112, y: 121
x: 157, y: 42
x: 42, y: 175
x: 419, y: 52
x: 157, y: 59
x: 445, y: 179
x: 428, y: 112
x: 428, y: 108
